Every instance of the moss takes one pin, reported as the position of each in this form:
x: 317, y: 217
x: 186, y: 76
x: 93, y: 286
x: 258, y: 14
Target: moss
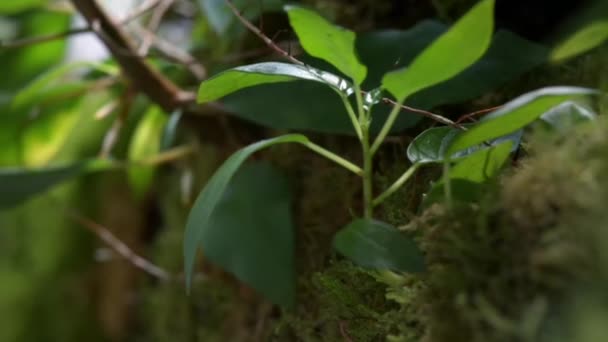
x: 501, y: 270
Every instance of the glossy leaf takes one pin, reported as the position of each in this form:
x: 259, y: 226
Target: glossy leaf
x: 251, y: 232
x: 449, y: 55
x: 199, y: 222
x: 516, y: 115
x: 378, y: 245
x: 431, y: 145
x: 587, y: 38
x: 322, y: 39
x: 246, y: 76
x: 145, y: 143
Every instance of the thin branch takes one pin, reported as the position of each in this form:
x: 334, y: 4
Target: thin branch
x: 476, y: 113
x: 147, y: 79
x: 120, y: 247
x: 261, y: 34
x: 153, y: 25
x: 42, y: 39
x: 175, y: 54
x: 431, y: 115
x: 20, y: 43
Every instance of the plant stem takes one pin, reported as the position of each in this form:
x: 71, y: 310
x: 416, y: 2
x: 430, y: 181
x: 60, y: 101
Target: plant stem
x: 396, y: 185
x: 352, y: 116
x: 448, y: 185
x: 386, y: 128
x: 333, y: 157
x: 367, y: 174
x: 364, y: 121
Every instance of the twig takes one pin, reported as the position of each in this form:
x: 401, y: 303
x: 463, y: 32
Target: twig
x: 261, y: 34
x: 157, y: 17
x: 42, y: 39
x: 476, y: 113
x: 175, y: 54
x: 147, y: 79
x: 120, y: 247
x: 143, y: 9
x: 436, y: 117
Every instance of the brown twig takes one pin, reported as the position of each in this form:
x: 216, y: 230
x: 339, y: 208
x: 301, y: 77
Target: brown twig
x: 138, y: 12
x: 147, y: 79
x: 175, y: 54
x: 42, y: 39
x: 261, y: 34
x: 120, y: 247
x: 431, y: 115
x: 476, y: 113
x: 156, y: 18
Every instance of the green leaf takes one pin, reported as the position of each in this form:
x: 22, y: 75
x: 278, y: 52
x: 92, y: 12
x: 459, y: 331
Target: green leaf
x: 449, y: 55
x: 502, y: 62
x: 321, y: 39
x: 251, y: 232
x: 289, y: 105
x: 232, y: 80
x: 17, y: 185
x: 378, y: 245
x: 462, y: 190
x: 482, y: 165
x: 587, y: 38
x: 9, y: 7
x: 199, y: 222
x: 469, y: 173
x: 50, y: 80
x: 516, y: 114
x: 145, y: 143
x: 431, y: 145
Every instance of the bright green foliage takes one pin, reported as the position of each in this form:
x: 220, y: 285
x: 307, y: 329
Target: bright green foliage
x: 326, y: 41
x: 251, y: 233
x: 516, y: 114
x: 449, y: 55
x: 378, y: 245
x: 587, y: 38
x: 246, y: 76
x: 145, y: 143
x: 13, y: 7
x: 200, y: 225
x: 482, y: 165
x: 46, y: 85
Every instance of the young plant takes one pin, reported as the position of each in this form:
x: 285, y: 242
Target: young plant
x: 366, y: 241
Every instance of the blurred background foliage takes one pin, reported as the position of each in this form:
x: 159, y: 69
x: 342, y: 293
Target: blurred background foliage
x: 65, y: 101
